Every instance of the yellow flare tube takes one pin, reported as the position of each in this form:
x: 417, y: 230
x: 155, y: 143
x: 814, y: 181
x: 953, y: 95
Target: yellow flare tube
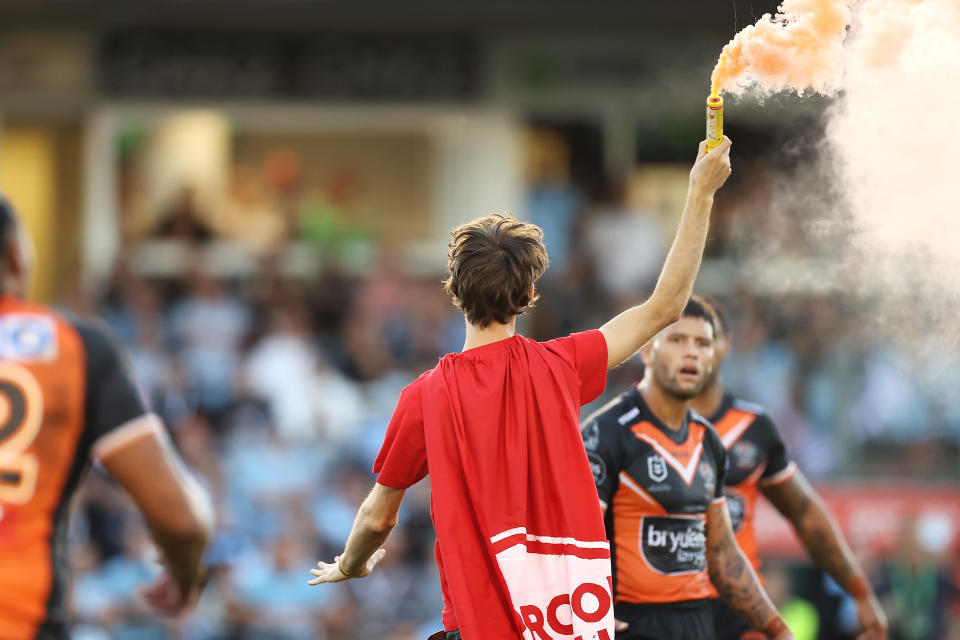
x: 714, y: 121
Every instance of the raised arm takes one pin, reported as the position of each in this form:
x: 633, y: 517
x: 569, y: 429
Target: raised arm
x: 372, y: 526
x: 734, y: 578
x: 633, y: 328
x: 818, y: 531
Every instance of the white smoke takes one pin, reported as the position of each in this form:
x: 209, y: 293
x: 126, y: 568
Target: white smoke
x: 884, y: 182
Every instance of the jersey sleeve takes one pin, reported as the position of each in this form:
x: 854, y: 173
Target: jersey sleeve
x: 588, y: 353
x: 113, y: 399
x: 605, y: 453
x: 779, y: 465
x: 402, y: 461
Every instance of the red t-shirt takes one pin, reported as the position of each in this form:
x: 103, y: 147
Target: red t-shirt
x: 521, y: 545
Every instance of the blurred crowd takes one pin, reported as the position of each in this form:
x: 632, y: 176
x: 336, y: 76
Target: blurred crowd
x: 278, y: 391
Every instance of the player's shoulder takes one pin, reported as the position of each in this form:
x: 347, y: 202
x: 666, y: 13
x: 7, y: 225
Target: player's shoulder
x: 760, y: 427
x: 619, y: 413
x: 97, y: 338
x: 29, y: 331
x: 24, y: 313
x: 748, y: 407
x: 607, y: 425
x: 761, y: 423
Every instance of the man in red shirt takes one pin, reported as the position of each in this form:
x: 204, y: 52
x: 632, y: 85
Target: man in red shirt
x: 521, y: 545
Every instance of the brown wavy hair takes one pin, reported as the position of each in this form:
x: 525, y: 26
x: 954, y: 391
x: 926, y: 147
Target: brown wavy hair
x: 493, y: 263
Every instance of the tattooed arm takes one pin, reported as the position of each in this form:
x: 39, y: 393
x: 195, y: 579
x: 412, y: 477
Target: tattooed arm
x: 800, y: 504
x: 734, y: 578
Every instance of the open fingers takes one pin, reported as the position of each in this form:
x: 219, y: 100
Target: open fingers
x: 321, y: 576
x: 323, y: 573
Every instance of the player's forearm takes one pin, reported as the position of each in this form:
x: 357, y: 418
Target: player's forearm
x: 176, y: 507
x: 632, y: 329
x: 183, y: 540
x: 827, y: 548
x: 819, y: 533
x: 737, y: 584
x: 680, y: 268
x: 370, y: 531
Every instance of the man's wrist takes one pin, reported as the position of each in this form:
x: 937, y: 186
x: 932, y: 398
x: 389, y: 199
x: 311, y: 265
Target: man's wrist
x: 776, y: 628
x: 699, y: 197
x: 859, y: 588
x: 345, y: 572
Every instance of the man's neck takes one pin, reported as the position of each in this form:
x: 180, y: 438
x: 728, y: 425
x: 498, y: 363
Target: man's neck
x: 708, y: 402
x: 495, y: 332
x: 669, y: 409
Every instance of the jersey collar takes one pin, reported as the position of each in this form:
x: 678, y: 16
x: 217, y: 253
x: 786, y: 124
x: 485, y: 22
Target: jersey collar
x: 636, y: 398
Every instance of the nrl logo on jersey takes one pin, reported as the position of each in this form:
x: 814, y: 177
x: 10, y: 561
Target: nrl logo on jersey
x: 656, y: 468
x: 28, y: 337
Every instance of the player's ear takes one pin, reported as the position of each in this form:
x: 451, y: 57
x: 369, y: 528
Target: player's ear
x: 721, y: 346
x: 646, y: 353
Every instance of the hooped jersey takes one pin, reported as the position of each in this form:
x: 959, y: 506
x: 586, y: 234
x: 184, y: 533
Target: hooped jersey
x: 63, y: 386
x: 656, y: 485
x: 756, y: 457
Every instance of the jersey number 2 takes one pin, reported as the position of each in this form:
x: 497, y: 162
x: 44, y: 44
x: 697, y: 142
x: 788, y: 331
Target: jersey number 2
x: 21, y: 414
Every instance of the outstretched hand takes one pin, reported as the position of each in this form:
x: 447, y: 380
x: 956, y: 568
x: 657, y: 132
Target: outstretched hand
x: 330, y: 572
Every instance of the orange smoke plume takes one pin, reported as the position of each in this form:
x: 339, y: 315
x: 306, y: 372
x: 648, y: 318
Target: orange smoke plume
x: 800, y: 48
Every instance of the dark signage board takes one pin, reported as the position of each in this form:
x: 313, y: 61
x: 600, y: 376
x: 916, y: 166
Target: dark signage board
x: 259, y: 65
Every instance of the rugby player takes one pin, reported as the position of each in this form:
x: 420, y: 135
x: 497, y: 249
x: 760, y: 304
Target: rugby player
x: 67, y: 397
x: 659, y: 469
x: 520, y: 539
x: 758, y: 463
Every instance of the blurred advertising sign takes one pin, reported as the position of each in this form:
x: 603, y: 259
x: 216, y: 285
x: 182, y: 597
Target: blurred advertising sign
x: 873, y: 518
x: 173, y: 63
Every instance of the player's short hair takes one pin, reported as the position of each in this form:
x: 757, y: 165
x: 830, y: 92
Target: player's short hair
x: 8, y: 221
x: 493, y: 263
x: 720, y: 326
x: 697, y: 307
